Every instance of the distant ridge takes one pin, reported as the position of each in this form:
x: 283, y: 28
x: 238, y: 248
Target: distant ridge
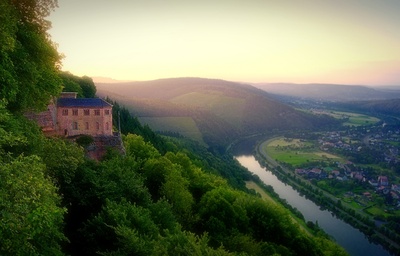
x: 220, y: 110
x: 100, y: 79
x: 330, y: 92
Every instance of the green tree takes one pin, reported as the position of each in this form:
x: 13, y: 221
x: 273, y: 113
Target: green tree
x: 175, y: 190
x: 88, y: 87
x: 119, y: 178
x: 122, y: 227
x: 31, y: 218
x: 179, y: 242
x: 61, y: 157
x: 220, y: 214
x: 84, y: 86
x: 29, y: 61
x: 139, y: 149
x: 69, y: 83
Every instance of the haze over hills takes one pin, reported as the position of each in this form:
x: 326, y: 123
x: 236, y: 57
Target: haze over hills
x: 331, y: 92
x: 101, y: 79
x: 209, y: 110
x: 390, y: 107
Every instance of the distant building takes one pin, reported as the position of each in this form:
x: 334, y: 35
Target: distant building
x: 383, y: 181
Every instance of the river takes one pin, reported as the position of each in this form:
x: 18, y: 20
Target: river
x: 351, y: 239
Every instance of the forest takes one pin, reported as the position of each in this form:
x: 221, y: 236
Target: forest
x: 164, y: 196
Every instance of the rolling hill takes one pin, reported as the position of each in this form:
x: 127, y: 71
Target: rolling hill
x: 331, y: 92
x: 214, y: 112
x: 387, y: 108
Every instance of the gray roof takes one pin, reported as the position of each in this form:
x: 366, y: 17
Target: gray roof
x: 83, y: 102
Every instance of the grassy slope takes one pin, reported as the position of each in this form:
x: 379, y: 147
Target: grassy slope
x: 185, y: 126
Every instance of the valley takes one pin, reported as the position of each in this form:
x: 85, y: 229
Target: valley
x: 130, y: 167
x: 221, y: 110
x: 334, y: 152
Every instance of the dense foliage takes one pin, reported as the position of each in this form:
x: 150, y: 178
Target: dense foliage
x: 144, y: 203
x: 84, y: 86
x: 29, y: 60
x: 30, y: 211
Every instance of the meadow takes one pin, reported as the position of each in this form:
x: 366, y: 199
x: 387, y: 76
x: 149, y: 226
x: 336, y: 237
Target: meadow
x: 354, y: 119
x: 297, y: 152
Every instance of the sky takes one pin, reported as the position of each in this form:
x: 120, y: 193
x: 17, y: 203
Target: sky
x: 297, y: 41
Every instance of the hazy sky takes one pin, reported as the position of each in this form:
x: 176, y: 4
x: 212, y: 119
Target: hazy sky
x: 301, y: 41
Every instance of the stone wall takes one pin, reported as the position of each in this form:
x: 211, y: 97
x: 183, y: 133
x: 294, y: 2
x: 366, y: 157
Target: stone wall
x: 98, y: 148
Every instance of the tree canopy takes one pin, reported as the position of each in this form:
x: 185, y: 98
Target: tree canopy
x: 29, y: 61
x: 84, y: 86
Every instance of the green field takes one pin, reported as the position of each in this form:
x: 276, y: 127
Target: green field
x: 184, y: 125
x: 354, y: 119
x: 296, y: 152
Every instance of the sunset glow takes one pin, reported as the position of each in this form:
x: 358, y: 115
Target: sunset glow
x: 345, y: 41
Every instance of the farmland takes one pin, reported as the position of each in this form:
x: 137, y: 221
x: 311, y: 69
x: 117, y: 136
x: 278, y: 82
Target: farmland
x: 354, y: 119
x: 298, y: 152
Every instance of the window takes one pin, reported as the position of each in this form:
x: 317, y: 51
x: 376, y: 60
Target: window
x: 65, y: 112
x: 87, y: 126
x: 107, y: 126
x: 97, y: 112
x: 74, y: 112
x: 97, y: 126
x: 86, y: 112
x: 74, y: 126
x: 106, y: 112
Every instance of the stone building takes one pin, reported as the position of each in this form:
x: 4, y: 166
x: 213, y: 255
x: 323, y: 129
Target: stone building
x: 77, y: 116
x: 69, y: 116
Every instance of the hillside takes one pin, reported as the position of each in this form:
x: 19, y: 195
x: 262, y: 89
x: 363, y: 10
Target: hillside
x: 389, y: 107
x: 331, y: 92
x: 221, y: 110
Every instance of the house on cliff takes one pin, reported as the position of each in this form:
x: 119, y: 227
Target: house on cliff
x: 78, y: 116
x: 71, y: 117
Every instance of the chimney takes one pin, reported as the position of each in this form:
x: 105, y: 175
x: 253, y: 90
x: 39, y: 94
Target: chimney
x: 71, y: 95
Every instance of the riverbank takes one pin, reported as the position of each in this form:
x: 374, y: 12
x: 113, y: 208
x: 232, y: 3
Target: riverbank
x: 342, y: 210
x: 352, y: 240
